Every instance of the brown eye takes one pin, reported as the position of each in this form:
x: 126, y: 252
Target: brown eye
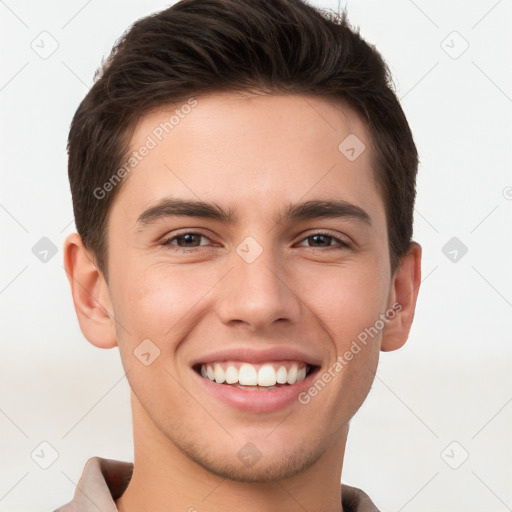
x: 323, y: 240
x: 185, y: 240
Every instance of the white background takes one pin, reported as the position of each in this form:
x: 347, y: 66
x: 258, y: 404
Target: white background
x: 452, y: 380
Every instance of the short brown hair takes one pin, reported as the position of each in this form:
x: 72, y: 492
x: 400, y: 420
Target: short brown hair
x: 205, y: 46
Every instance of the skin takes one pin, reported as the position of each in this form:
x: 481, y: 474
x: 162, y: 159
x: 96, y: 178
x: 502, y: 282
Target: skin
x: 254, y: 154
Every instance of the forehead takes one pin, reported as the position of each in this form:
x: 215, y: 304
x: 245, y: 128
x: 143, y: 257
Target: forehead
x: 250, y: 152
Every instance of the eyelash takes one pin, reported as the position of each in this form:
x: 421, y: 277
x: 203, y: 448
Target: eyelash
x: 342, y: 244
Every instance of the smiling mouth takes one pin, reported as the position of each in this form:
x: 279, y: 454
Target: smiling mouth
x: 266, y: 376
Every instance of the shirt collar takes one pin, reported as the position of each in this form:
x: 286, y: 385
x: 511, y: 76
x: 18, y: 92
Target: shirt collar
x: 104, y: 480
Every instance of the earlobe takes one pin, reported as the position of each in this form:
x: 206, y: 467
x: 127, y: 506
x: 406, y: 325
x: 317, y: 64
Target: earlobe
x: 90, y: 292
x: 404, y: 292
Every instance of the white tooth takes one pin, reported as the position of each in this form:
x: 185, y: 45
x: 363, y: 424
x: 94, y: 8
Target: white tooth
x: 209, y: 372
x: 231, y: 375
x: 301, y: 375
x: 281, y: 375
x: 203, y: 371
x: 266, y: 375
x: 218, y: 373
x: 248, y: 375
x: 292, y: 374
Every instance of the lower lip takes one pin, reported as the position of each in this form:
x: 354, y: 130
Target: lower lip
x: 254, y: 400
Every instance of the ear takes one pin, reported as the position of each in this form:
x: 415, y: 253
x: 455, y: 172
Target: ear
x: 402, y: 299
x: 91, y: 295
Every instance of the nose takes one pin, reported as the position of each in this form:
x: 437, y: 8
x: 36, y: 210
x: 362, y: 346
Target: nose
x: 258, y: 294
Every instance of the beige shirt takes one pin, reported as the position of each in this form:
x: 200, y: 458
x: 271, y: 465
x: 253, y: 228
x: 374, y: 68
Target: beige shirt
x: 104, y: 480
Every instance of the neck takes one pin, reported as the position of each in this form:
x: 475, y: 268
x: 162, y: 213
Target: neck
x: 166, y: 479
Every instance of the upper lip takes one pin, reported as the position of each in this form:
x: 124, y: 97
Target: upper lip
x: 251, y: 355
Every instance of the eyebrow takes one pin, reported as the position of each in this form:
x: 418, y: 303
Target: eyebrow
x: 315, y: 209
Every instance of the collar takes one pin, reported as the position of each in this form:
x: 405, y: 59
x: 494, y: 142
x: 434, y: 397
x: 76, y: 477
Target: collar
x: 104, y: 480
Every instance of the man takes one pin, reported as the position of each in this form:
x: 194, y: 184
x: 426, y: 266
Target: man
x: 222, y: 141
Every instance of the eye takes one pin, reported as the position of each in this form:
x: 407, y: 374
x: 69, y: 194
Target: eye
x: 185, y: 240
x: 190, y: 240
x: 324, y: 240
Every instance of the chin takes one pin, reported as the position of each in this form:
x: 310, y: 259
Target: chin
x: 256, y: 467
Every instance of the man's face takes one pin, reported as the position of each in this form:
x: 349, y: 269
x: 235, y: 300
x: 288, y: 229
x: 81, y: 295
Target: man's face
x: 262, y: 290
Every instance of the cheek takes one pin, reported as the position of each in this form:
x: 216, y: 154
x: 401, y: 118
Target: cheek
x: 159, y: 301
x: 347, y: 300
x: 357, y: 376
x: 156, y: 305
